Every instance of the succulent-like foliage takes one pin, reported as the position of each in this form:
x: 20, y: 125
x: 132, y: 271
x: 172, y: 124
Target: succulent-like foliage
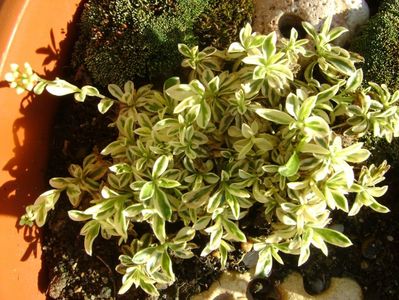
x: 137, y: 40
x: 378, y: 43
x: 251, y: 129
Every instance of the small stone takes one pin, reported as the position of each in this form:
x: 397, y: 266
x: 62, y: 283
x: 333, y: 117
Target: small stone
x: 390, y: 238
x: 337, y: 227
x: 57, y: 285
x: 364, y: 265
x: 316, y: 283
x: 230, y: 285
x: 281, y: 16
x: 340, y: 288
x: 106, y: 293
x: 250, y: 259
x: 104, y: 279
x: 262, y: 289
x: 370, y: 248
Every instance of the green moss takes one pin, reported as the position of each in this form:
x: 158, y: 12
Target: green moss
x: 378, y: 42
x: 382, y: 150
x: 221, y: 22
x: 137, y: 39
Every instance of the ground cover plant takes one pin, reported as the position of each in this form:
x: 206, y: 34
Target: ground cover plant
x: 251, y: 130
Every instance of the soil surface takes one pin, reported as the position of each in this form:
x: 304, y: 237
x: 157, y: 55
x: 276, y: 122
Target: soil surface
x: 373, y: 260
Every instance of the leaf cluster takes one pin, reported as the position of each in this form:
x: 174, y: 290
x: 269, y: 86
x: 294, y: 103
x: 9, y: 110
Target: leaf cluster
x: 251, y: 128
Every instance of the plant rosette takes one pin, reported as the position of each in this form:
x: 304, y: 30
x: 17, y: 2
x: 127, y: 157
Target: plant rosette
x: 252, y: 128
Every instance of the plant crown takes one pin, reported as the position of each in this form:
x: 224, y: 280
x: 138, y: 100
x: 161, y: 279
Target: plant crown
x: 252, y: 130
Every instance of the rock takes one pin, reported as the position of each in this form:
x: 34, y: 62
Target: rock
x: 235, y: 286
x: 57, y: 284
x: 282, y: 15
x: 230, y: 286
x: 340, y: 289
x: 262, y: 289
x: 371, y: 248
x: 315, y: 283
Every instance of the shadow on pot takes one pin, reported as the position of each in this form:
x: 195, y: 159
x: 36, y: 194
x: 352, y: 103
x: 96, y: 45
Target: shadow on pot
x: 31, y: 136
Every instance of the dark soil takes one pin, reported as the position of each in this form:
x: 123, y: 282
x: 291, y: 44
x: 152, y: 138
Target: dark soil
x: 373, y: 260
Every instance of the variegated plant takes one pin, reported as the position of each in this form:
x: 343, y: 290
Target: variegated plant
x: 252, y: 126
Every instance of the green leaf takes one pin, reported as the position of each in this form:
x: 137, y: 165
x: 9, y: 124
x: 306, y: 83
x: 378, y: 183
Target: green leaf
x: 333, y: 237
x: 196, y: 198
x: 39, y: 87
x: 158, y: 226
x: 310, y: 30
x: 160, y: 166
x: 336, y: 32
x: 184, y: 49
x: 147, y: 191
x: 61, y: 87
x: 313, y: 149
x: 233, y: 230
x: 292, y: 105
x: 343, y: 65
x: 184, y: 235
x: 354, y: 81
x: 77, y: 215
x: 379, y: 207
x: 269, y: 45
x: 265, y: 263
x: 306, y: 108
x: 214, y: 201
x: 304, y: 255
x: 167, y: 183
x: 340, y: 200
x: 204, y: 115
x: 216, y: 239
x: 291, y: 167
x: 121, y: 168
x: 180, y: 92
x: 327, y: 94
x: 359, y: 156
x: 115, y: 91
x: 166, y: 264
x: 133, y: 210
x: 235, y: 48
x: 104, y: 105
x: 316, y: 126
x: 162, y: 205
x: 149, y: 288
x: 127, y: 281
x: 275, y: 115
x: 142, y: 256
x: 202, y: 223
x: 90, y: 231
x: 233, y: 203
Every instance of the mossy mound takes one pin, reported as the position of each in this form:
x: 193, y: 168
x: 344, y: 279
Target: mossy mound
x: 220, y: 23
x: 124, y: 40
x: 378, y: 43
